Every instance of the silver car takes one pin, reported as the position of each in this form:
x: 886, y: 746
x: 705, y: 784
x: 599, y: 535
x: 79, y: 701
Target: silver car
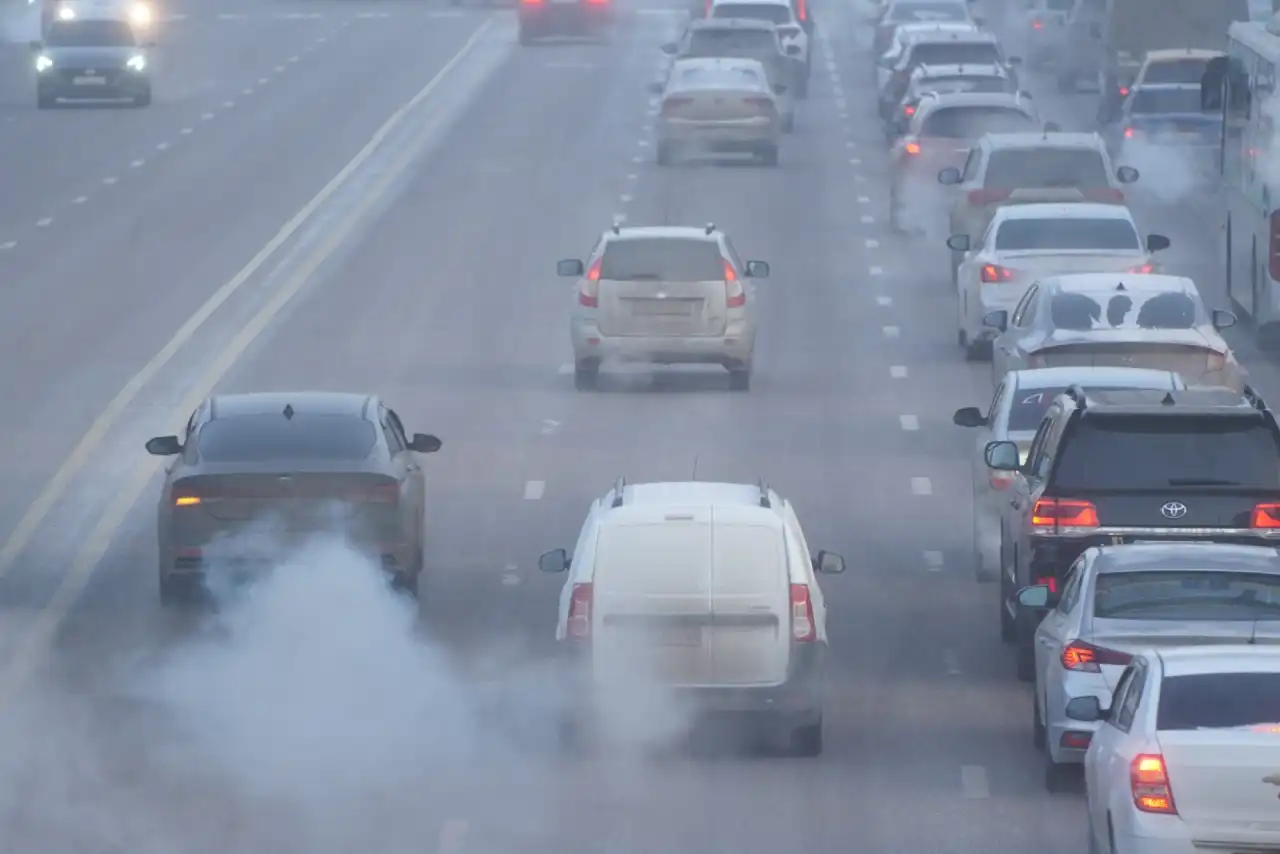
x: 1120, y: 600
x: 1014, y: 415
x: 714, y: 106
x: 1142, y: 320
x: 664, y: 295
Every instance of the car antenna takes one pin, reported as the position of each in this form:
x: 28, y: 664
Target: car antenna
x: 1121, y: 287
x: 1168, y: 399
x: 617, y: 227
x: 288, y: 411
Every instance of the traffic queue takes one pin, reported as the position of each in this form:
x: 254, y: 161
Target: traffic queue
x: 1125, y: 474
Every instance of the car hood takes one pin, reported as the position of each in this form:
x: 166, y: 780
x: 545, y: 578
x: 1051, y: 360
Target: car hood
x: 89, y: 57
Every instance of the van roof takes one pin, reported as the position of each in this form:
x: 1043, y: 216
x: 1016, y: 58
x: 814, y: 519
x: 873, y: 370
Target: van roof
x: 642, y: 502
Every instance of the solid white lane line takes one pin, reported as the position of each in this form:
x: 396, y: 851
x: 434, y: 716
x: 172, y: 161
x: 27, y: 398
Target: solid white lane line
x: 533, y: 489
x: 909, y: 422
x: 973, y: 782
x: 898, y: 372
x: 921, y: 486
x: 884, y: 301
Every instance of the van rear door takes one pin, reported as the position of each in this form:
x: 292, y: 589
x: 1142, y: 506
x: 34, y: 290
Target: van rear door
x: 750, y: 597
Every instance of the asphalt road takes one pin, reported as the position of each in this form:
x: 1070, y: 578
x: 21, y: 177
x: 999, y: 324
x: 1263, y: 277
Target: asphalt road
x: 134, y: 279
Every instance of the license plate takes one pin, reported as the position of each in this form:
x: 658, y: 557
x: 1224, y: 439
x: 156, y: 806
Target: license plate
x: 684, y: 636
x: 90, y: 81
x: 663, y: 308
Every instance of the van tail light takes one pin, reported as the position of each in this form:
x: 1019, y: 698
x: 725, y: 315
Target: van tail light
x: 1273, y: 246
x: 1001, y: 480
x: 1145, y: 268
x: 735, y: 296
x: 912, y: 148
x: 579, y: 623
x: 908, y: 111
x: 589, y: 295
x: 982, y: 198
x: 1086, y: 658
x: 1105, y: 195
x: 1128, y: 133
x: 597, y: 2
x: 996, y: 273
x: 531, y: 2
x: 1266, y: 515
x: 1149, y: 782
x: 802, y: 10
x: 1058, y: 513
x: 1049, y: 581
x: 803, y: 627
x: 383, y: 493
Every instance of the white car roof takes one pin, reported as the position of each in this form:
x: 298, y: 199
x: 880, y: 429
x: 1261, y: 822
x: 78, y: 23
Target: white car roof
x: 1063, y: 210
x: 1233, y: 658
x: 787, y: 3
x: 1137, y: 283
x: 1093, y: 377
x: 1046, y: 140
x: 684, y: 232
x: 643, y: 503
x: 1171, y: 54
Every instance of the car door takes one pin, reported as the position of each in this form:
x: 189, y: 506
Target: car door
x: 1013, y: 351
x: 962, y: 215
x: 1100, y: 756
x: 407, y: 470
x: 969, y: 276
x: 1003, y: 347
x: 1012, y: 508
x: 1121, y: 747
x: 1059, y: 627
x: 983, y: 500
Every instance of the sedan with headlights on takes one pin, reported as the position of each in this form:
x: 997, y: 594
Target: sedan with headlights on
x: 1025, y: 242
x: 92, y: 59
x: 1140, y: 320
x: 717, y: 106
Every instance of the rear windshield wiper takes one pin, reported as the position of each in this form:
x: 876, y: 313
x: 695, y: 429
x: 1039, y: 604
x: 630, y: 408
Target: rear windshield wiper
x: 1201, y: 481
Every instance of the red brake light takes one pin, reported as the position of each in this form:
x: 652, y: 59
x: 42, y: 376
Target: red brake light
x: 1001, y: 480
x: 1086, y: 658
x: 530, y: 2
x: 1124, y: 91
x: 1105, y: 195
x: 913, y: 148
x: 1064, y: 513
x: 1048, y: 581
x: 185, y: 499
x: 908, y: 111
x: 982, y: 198
x: 597, y: 2
x: 1149, y: 783
x: 1037, y: 25
x: 1128, y: 133
x: 996, y: 273
x: 590, y: 292
x: 579, y: 623
x: 735, y: 296
x: 803, y: 627
x: 1266, y: 515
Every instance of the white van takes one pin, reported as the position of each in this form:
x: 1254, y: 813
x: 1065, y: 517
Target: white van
x: 714, y: 582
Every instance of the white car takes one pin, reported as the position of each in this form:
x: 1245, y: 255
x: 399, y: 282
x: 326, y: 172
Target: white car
x: 719, y: 106
x: 795, y: 41
x: 902, y: 36
x: 1014, y: 415
x: 1187, y: 756
x: 1023, y: 243
x: 713, y: 584
x: 1118, y: 600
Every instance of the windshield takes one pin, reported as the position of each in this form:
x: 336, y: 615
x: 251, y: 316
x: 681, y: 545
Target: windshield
x: 774, y: 13
x: 1137, y: 452
x: 90, y: 33
x: 955, y: 53
x: 1126, y: 310
x: 1187, y: 595
x: 262, y: 438
x: 1176, y: 99
x: 719, y: 78
x: 666, y: 259
x: 926, y: 12
x: 1186, y: 71
x: 1026, y: 168
x: 733, y: 43
x: 973, y: 122
x: 1218, y: 701
x: 1111, y: 235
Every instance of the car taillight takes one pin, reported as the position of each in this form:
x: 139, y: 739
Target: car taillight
x: 670, y: 105
x: 589, y: 295
x: 578, y: 626
x: 1105, y: 195
x: 1048, y: 581
x: 190, y: 499
x: 802, y: 10
x: 1064, y: 513
x: 996, y: 273
x: 1149, y: 782
x: 1128, y: 133
x: 912, y: 148
x: 1124, y: 91
x: 1037, y: 25
x: 735, y: 296
x: 1086, y: 658
x: 1145, y: 268
x: 530, y: 2
x: 1001, y: 480
x: 803, y: 627
x: 1273, y: 246
x: 1266, y: 515
x: 908, y: 111
x: 383, y: 493
x: 597, y: 2
x: 982, y: 198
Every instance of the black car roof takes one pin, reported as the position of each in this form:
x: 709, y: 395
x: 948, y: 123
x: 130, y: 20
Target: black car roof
x: 302, y: 403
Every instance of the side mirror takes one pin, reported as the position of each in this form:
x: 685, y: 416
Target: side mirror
x: 424, y: 443
x: 1223, y: 319
x: 1052, y: 127
x: 1013, y: 60
x: 670, y: 48
x: 35, y: 47
x: 570, y: 268
x: 828, y: 563
x: 164, y: 446
x: 793, y: 50
x: 1126, y: 174
x: 970, y: 416
x: 949, y: 176
x: 958, y: 243
x: 1157, y: 242
x: 657, y: 88
x: 1088, y: 709
x: 1002, y: 456
x: 1037, y: 597
x: 998, y: 320
x: 556, y: 560
x: 780, y: 89
x: 757, y: 270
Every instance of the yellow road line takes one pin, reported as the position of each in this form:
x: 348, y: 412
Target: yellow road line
x: 44, y: 630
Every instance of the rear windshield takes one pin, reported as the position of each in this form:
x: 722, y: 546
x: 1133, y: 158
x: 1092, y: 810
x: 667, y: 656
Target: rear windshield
x: 973, y: 122
x: 774, y: 13
x: 90, y: 33
x: 1030, y: 405
x: 1176, y: 71
x: 955, y: 53
x: 1218, y: 701
x: 1101, y: 234
x: 260, y: 438
x: 963, y: 84
x: 662, y: 259
x: 748, y: 43
x: 1137, y: 452
x: 1027, y: 168
x: 1187, y: 595
x: 1183, y: 99
x: 719, y: 78
x: 1084, y: 312
x: 910, y: 13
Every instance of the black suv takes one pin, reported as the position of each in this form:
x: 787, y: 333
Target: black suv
x: 1120, y: 466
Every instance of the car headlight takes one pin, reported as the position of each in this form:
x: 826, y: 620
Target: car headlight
x: 43, y: 63
x: 140, y: 14
x: 66, y: 13
x: 137, y: 62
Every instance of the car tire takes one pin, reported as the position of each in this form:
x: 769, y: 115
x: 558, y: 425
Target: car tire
x: 1038, y: 735
x: 739, y: 379
x: 406, y: 582
x: 586, y: 375
x: 1025, y: 652
x: 142, y: 99
x: 802, y: 87
x: 769, y: 156
x: 806, y: 741
x: 977, y: 351
x: 663, y: 155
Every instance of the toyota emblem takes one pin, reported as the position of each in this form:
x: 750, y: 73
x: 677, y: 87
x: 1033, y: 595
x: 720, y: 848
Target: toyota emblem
x: 1174, y: 510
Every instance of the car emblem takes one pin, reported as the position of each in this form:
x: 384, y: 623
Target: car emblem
x: 1174, y: 510
x: 1274, y: 780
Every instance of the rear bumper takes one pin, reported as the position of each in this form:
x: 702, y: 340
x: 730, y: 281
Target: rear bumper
x: 194, y: 565
x: 734, y: 347
x: 123, y: 86
x: 1053, y: 556
x: 744, y: 135
x: 548, y: 18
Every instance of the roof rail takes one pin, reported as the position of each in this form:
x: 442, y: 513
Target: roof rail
x: 764, y: 494
x: 711, y: 227
x: 618, y: 486
x: 617, y: 227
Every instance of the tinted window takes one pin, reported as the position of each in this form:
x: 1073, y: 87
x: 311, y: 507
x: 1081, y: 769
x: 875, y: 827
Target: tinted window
x: 1219, y: 700
x: 259, y: 438
x: 719, y: 78
x: 90, y: 33
x: 1135, y: 452
x: 955, y: 53
x: 1187, y: 71
x: 1126, y: 310
x: 666, y: 259
x: 1187, y: 595
x: 1181, y: 99
x: 740, y: 43
x: 973, y: 122
x: 774, y: 13
x: 1046, y: 167
x: 1101, y: 234
x: 906, y: 13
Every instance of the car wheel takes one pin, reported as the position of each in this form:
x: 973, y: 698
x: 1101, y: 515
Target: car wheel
x: 143, y: 99
x: 406, y: 582
x: 739, y: 379
x: 585, y: 375
x: 802, y: 87
x: 806, y: 741
x: 1026, y: 654
x: 769, y: 156
x: 978, y: 351
x: 1037, y: 725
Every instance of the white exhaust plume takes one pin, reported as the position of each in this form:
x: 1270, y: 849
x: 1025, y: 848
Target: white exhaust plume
x: 1169, y: 173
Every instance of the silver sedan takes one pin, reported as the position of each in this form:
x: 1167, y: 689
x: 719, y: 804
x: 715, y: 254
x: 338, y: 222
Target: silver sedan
x: 715, y: 106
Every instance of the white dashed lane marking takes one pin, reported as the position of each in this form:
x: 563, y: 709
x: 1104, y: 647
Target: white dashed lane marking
x: 185, y: 131
x: 892, y: 332
x: 44, y: 223
x: 933, y: 561
x: 110, y: 180
x: 533, y: 489
x: 909, y: 422
x: 162, y: 146
x: 884, y: 301
x: 79, y: 200
x: 898, y: 372
x: 921, y: 486
x: 872, y: 243
x: 137, y: 164
x: 7, y: 246
x: 876, y: 271
x: 867, y: 219
x: 950, y: 662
